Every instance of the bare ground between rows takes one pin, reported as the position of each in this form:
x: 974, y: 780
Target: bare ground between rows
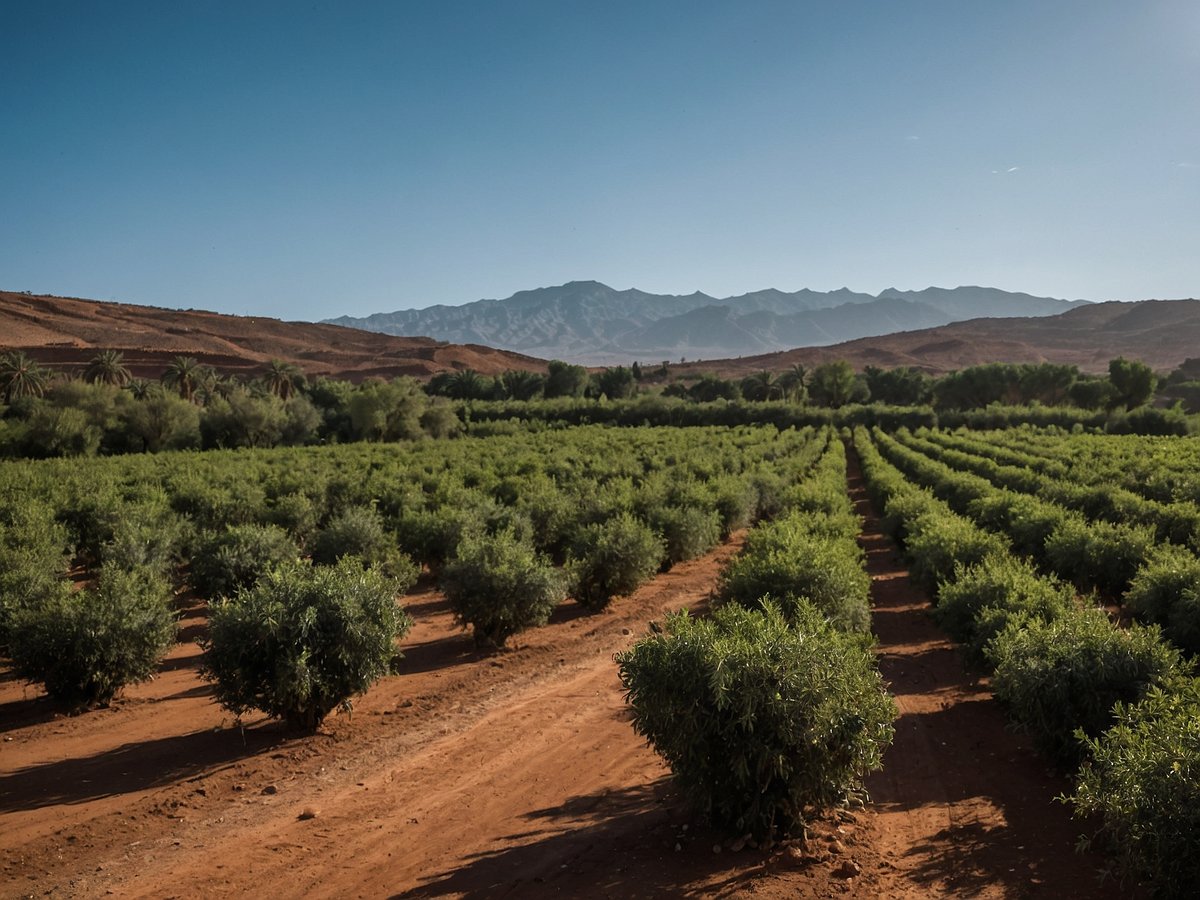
x: 464, y: 776
x: 964, y: 806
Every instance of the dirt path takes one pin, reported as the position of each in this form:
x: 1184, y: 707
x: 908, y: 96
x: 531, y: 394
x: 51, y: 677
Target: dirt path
x: 965, y: 807
x: 463, y: 776
x: 517, y: 775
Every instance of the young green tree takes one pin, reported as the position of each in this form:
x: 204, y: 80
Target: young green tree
x: 303, y: 641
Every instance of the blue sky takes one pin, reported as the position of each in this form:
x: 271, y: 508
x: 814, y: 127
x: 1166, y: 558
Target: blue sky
x: 307, y: 160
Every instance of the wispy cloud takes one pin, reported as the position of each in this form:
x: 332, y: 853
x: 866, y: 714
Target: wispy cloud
x: 1186, y: 165
x: 913, y: 137
x: 1007, y: 171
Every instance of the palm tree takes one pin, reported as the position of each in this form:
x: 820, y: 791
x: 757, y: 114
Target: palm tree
x: 141, y: 388
x: 21, y: 376
x: 283, y: 379
x: 794, y: 381
x: 761, y: 386
x: 107, y: 367
x: 466, y: 384
x: 184, y: 374
x: 520, y: 384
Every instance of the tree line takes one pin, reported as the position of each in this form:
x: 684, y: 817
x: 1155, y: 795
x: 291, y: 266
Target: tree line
x: 106, y: 410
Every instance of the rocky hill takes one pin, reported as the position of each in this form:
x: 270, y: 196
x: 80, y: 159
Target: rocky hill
x: 67, y: 332
x: 1162, y: 333
x: 590, y: 322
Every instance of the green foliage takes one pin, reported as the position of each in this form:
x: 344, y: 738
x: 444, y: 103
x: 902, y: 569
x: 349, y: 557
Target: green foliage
x: 1143, y: 784
x: 86, y: 646
x: 33, y: 559
x: 565, y: 380
x: 1133, y: 382
x: 761, y: 722
x: 1168, y: 573
x: 303, y: 641
x: 500, y: 585
x: 235, y: 558
x: 982, y: 600
x: 148, y: 534
x: 612, y: 558
x: 1099, y: 554
x: 390, y: 411
x: 688, y: 531
x: 1065, y: 675
x: 834, y: 384
x: 940, y: 545
x: 794, y: 567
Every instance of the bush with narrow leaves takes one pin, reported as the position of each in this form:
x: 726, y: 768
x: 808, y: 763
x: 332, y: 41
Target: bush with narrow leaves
x: 762, y: 721
x: 688, y: 531
x: 612, y: 558
x: 1062, y: 677
x: 87, y: 645
x: 795, y: 567
x: 303, y: 641
x: 234, y: 558
x: 1142, y: 783
x: 981, y: 600
x: 500, y: 585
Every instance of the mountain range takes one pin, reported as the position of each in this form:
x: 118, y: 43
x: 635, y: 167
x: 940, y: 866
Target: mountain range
x: 592, y: 323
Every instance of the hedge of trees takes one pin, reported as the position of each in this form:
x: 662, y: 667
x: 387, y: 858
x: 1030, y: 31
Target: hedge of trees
x: 104, y: 410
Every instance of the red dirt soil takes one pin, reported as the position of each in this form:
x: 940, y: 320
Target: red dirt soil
x: 66, y: 333
x: 513, y: 775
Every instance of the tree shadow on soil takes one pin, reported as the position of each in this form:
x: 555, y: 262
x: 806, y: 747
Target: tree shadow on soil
x: 612, y: 843
x: 133, y: 767
x: 28, y: 711
x: 972, y: 858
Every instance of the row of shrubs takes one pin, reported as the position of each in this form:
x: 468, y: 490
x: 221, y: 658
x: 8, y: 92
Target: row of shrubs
x: 1110, y: 703
x: 662, y: 410
x: 771, y: 707
x: 1158, y: 582
x: 500, y: 570
x: 1176, y: 522
x: 1158, y: 468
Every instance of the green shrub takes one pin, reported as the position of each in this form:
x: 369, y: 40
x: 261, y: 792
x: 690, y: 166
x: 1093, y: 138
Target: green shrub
x: 295, y: 513
x: 33, y: 559
x: 303, y: 641
x: 902, y: 510
x: 762, y: 721
x: 1062, y: 676
x: 148, y: 535
x: 981, y: 600
x: 735, y: 500
x: 611, y: 559
x: 234, y: 558
x: 688, y: 531
x: 355, y: 531
x: 500, y: 585
x: 795, y: 569
x: 1099, y: 554
x: 941, y: 544
x: 86, y: 646
x: 1143, y: 784
x: 1167, y: 591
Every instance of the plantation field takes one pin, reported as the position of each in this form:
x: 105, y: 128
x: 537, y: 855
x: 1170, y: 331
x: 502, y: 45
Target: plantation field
x: 497, y: 755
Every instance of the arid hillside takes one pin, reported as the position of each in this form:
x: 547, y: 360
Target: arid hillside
x: 67, y: 332
x: 1161, y: 333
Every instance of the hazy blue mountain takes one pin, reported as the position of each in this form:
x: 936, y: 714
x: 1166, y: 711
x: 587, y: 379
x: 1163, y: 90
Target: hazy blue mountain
x: 586, y: 321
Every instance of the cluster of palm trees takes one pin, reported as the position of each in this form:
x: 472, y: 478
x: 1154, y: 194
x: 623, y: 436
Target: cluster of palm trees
x: 21, y: 377
x: 762, y: 386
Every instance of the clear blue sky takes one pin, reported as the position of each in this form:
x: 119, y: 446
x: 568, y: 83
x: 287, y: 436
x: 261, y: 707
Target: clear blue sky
x: 307, y: 160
